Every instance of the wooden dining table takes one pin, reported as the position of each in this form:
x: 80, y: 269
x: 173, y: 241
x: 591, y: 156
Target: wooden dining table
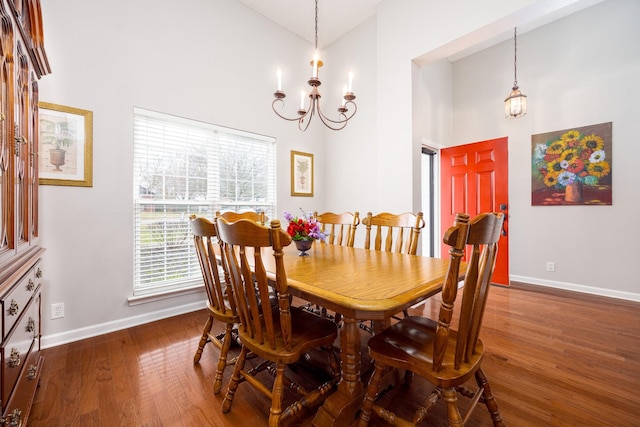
x: 359, y: 284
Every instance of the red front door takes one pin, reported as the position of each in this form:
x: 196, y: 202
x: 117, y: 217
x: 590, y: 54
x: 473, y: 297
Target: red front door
x: 474, y: 179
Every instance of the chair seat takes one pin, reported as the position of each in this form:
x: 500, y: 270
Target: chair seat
x: 408, y: 344
x: 309, y: 331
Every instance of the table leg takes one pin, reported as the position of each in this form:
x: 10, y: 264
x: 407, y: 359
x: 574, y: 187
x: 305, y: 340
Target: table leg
x: 340, y: 408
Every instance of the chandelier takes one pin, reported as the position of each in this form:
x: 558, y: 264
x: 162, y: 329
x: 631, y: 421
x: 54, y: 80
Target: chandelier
x: 516, y: 103
x: 305, y: 114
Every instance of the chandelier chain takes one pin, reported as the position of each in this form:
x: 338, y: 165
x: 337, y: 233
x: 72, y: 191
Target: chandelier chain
x: 316, y: 25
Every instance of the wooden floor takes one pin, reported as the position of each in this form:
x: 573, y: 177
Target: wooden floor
x: 554, y: 359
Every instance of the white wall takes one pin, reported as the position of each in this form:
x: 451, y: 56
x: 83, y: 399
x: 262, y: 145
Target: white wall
x: 350, y: 166
x: 213, y: 61
x: 408, y: 29
x: 576, y: 71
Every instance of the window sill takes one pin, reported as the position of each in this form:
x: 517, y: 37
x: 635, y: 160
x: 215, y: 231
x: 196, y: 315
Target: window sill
x: 158, y: 296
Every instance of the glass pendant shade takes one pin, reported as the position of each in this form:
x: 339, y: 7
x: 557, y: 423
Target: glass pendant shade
x: 516, y: 104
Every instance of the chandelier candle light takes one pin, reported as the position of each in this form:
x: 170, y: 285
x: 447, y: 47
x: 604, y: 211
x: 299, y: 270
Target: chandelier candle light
x: 516, y: 103
x: 314, y: 97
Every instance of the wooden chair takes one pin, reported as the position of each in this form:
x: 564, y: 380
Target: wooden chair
x: 220, y: 301
x: 280, y: 336
x: 446, y: 357
x: 399, y: 232
x: 339, y: 228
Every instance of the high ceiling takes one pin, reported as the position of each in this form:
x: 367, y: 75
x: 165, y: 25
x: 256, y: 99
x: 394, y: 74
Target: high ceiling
x: 335, y: 17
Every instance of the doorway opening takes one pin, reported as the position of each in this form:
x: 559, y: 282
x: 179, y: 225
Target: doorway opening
x: 430, y: 207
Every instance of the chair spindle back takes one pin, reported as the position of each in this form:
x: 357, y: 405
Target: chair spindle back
x: 339, y: 228
x: 206, y: 242
x: 482, y: 234
x: 241, y: 241
x: 402, y: 231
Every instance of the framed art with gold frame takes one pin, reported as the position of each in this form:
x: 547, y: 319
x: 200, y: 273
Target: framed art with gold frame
x: 301, y: 174
x: 66, y: 145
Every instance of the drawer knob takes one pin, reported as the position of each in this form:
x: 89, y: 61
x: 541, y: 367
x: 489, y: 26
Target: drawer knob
x: 30, y: 285
x: 14, y: 359
x: 13, y: 308
x: 31, y: 375
x: 14, y: 419
x: 39, y: 273
x: 31, y: 325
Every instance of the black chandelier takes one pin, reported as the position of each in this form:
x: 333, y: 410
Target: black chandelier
x: 314, y: 97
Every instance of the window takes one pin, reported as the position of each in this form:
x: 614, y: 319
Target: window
x: 184, y: 167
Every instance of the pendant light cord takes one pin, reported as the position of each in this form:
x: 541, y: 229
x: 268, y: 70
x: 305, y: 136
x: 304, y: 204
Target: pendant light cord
x: 515, y: 56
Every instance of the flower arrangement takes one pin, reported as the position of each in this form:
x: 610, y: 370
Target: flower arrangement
x: 304, y: 227
x: 572, y: 158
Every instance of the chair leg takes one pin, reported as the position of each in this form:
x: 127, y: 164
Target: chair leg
x: 370, y: 396
x: 222, y: 360
x: 423, y: 411
x: 488, y: 399
x: 203, y: 340
x: 287, y: 382
x: 276, y: 396
x: 338, y: 319
x: 453, y: 413
x: 235, y: 380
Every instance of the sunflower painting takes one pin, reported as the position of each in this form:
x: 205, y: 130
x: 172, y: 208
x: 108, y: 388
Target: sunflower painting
x: 572, y: 166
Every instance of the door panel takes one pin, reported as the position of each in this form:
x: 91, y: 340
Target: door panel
x: 474, y: 180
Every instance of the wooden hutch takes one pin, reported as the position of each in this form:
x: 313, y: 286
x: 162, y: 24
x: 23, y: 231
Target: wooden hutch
x: 22, y: 63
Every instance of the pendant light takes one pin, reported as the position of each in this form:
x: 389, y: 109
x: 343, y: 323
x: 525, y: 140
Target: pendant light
x: 516, y: 103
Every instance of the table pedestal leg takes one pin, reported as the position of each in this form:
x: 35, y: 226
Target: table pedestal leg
x: 340, y: 408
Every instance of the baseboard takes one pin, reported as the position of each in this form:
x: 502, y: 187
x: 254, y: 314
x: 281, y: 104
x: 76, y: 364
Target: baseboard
x: 629, y: 296
x: 91, y: 331
x: 54, y: 340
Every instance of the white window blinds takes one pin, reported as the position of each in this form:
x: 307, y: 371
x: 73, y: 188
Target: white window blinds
x: 184, y: 167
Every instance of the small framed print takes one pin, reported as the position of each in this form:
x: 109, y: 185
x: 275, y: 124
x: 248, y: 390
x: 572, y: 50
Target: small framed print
x: 66, y: 145
x: 301, y: 174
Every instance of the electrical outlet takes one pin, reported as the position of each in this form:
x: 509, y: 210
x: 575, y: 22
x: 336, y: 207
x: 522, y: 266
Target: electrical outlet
x: 57, y: 310
x: 551, y: 266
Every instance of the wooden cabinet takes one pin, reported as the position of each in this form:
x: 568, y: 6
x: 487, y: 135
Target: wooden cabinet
x: 20, y: 351
x: 22, y: 63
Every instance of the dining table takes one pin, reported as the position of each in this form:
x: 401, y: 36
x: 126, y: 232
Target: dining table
x: 360, y: 285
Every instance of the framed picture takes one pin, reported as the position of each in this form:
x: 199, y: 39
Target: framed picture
x: 66, y: 145
x: 301, y: 174
x: 572, y: 166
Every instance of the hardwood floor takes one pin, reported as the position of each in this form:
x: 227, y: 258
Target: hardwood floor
x: 554, y: 358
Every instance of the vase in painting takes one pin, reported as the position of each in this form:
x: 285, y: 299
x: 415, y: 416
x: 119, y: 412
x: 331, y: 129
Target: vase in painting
x: 573, y: 192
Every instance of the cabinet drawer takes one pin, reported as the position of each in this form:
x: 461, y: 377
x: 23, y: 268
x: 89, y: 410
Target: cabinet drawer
x: 19, y: 406
x: 14, y: 302
x: 15, y: 350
